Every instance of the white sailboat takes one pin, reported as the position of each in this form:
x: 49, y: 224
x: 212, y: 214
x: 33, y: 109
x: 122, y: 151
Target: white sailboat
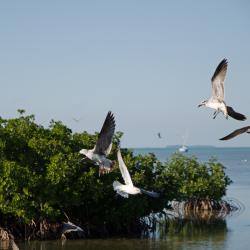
x: 184, y: 149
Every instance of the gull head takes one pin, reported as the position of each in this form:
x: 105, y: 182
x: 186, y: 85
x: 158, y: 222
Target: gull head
x: 203, y: 103
x: 83, y: 151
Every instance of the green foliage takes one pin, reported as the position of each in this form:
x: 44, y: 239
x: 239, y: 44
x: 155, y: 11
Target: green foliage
x: 193, y: 179
x: 38, y: 166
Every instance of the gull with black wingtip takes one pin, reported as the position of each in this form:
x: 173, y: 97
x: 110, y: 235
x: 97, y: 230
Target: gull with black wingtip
x: 217, y: 100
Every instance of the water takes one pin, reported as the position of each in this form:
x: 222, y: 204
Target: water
x: 232, y: 233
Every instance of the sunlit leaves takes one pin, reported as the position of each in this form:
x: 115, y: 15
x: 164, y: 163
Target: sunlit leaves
x: 193, y: 179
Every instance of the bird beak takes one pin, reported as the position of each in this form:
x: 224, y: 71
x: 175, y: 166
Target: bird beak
x: 200, y: 105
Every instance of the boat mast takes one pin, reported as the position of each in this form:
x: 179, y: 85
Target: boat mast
x: 185, y: 137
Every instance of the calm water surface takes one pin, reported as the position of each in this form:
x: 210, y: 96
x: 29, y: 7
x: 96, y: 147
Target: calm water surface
x: 233, y: 233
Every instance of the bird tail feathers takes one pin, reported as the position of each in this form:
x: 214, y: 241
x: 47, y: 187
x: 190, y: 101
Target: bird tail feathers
x: 153, y: 194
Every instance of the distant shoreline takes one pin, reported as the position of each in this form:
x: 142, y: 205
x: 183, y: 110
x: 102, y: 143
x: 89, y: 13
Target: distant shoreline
x: 179, y: 146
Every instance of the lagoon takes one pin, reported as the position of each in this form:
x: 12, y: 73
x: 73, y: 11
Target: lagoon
x: 231, y: 233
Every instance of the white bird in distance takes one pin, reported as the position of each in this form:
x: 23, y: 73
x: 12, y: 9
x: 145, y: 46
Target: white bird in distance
x: 129, y: 188
x: 243, y: 161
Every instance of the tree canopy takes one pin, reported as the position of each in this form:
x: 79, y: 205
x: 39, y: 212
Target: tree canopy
x: 40, y: 176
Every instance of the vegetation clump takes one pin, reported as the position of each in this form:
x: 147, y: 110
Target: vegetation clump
x: 41, y: 183
x: 40, y: 179
x: 200, y: 185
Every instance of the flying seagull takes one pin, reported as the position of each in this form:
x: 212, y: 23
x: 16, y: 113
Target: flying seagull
x: 159, y: 135
x: 77, y: 120
x: 236, y: 133
x: 217, y: 100
x: 242, y: 161
x: 103, y: 147
x: 66, y: 228
x: 129, y: 188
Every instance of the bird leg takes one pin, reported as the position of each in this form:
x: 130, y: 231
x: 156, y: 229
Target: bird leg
x: 215, y: 114
x: 116, y: 196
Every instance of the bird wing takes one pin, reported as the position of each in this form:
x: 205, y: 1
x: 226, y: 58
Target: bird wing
x: 235, y: 115
x: 74, y: 119
x: 218, y: 81
x: 104, y: 142
x: 153, y: 194
x: 124, y: 171
x: 236, y: 133
x: 13, y: 244
x: 240, y: 162
x: 65, y: 227
x: 86, y: 159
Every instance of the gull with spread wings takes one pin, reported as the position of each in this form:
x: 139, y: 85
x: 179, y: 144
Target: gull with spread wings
x: 217, y: 100
x: 103, y: 147
x: 129, y: 188
x: 236, y: 133
x: 66, y: 228
x: 77, y: 120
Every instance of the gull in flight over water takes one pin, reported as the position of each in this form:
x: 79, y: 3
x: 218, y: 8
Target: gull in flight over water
x: 242, y: 161
x: 103, y: 147
x: 77, y: 120
x: 217, y: 100
x: 129, y: 188
x: 159, y: 135
x: 66, y: 228
x: 236, y: 133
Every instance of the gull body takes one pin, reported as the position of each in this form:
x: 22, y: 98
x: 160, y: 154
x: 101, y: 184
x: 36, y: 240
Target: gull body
x: 103, y: 147
x: 97, y: 158
x: 129, y: 188
x: 217, y: 100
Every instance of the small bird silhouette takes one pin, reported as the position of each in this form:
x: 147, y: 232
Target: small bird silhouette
x: 77, y: 120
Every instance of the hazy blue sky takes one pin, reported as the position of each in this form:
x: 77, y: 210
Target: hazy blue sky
x: 150, y: 62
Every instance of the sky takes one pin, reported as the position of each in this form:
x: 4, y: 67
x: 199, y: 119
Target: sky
x: 149, y: 62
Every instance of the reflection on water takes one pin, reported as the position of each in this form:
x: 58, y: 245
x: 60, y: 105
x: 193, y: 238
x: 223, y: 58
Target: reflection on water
x: 203, y: 230
x: 209, y: 232
x: 190, y: 231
